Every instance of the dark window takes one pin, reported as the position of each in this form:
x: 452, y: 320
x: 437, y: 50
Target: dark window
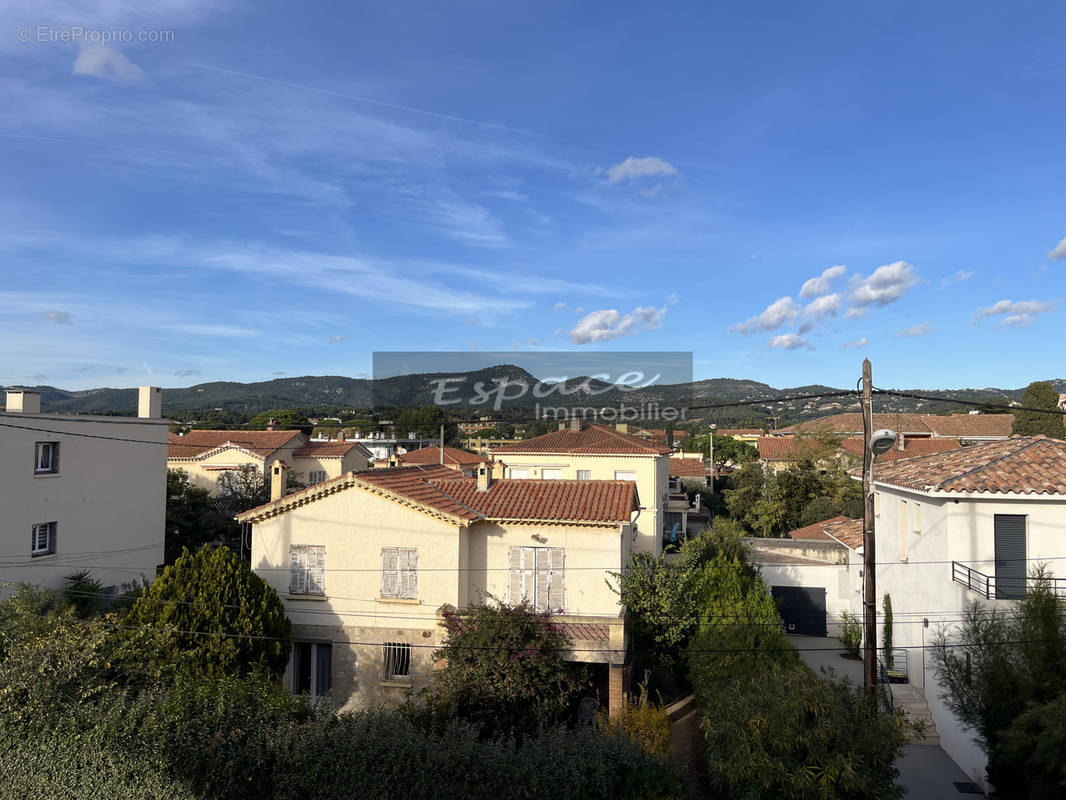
x: 46, y: 458
x: 1010, y: 556
x: 312, y: 668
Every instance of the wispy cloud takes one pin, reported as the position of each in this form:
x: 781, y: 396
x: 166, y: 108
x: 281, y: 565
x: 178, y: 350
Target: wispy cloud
x: 1058, y: 251
x: 335, y: 339
x: 789, y: 341
x: 885, y: 285
x: 821, y: 284
x: 782, y: 310
x: 634, y: 168
x: 922, y: 329
x: 1016, y: 314
x: 62, y: 317
x: 101, y: 61
x: 559, y: 306
x: 607, y: 324
x: 825, y: 306
x: 214, y: 331
x: 961, y: 276
x: 858, y: 344
x: 187, y: 373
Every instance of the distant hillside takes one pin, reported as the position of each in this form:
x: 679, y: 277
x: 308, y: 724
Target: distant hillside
x: 336, y: 391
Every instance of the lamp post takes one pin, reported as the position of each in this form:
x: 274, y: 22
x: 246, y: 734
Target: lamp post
x: 874, y: 443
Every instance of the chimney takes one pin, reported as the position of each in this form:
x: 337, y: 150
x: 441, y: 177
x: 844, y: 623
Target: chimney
x: 899, y: 442
x: 497, y: 470
x: 20, y: 402
x: 562, y: 424
x: 279, y: 477
x: 575, y: 423
x: 272, y: 424
x: 484, y: 477
x: 622, y: 427
x: 149, y: 402
x: 341, y: 436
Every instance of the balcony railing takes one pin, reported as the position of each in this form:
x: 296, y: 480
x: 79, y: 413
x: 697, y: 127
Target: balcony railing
x: 985, y: 585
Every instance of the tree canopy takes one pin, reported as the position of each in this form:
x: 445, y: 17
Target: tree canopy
x: 286, y: 418
x: 1040, y: 395
x: 226, y: 619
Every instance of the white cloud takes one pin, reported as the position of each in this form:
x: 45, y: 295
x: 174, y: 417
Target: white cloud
x: 634, y: 168
x: 673, y: 299
x: 789, y: 341
x: 858, y: 344
x: 335, y: 339
x: 559, y: 306
x: 187, y: 373
x: 824, y: 306
x: 1058, y: 251
x: 607, y: 324
x: 62, y: 317
x: 960, y: 276
x: 782, y: 310
x: 100, y: 61
x: 855, y: 313
x: 224, y: 331
x: 921, y: 329
x: 886, y: 285
x: 1016, y: 314
x: 820, y: 285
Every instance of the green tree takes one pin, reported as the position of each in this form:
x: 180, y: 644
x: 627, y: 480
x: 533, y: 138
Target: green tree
x: 224, y: 618
x: 425, y: 423
x: 886, y: 636
x: 505, y: 668
x: 1039, y: 395
x: 1012, y: 659
x: 286, y: 418
x: 194, y: 518
x: 1035, y: 742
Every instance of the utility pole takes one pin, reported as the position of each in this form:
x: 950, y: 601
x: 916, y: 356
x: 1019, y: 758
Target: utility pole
x: 442, y: 443
x: 868, y: 553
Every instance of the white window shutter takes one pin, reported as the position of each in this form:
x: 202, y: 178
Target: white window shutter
x: 557, y: 592
x: 515, y: 590
x: 408, y: 572
x: 390, y: 567
x: 543, y: 576
x: 296, y: 571
x: 317, y: 569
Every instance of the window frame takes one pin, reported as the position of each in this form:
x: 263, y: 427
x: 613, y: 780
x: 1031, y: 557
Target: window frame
x: 394, y: 656
x: 399, y: 573
x: 52, y: 448
x: 584, y: 474
x: 537, y: 576
x: 307, y: 570
x: 627, y: 472
x: 316, y: 651
x: 313, y: 473
x: 50, y: 539
x: 556, y: 473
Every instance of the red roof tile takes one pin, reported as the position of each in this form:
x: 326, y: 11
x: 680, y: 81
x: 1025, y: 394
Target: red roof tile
x: 688, y: 468
x: 815, y: 531
x: 329, y: 449
x: 577, y: 501
x: 958, y: 425
x: 911, y: 448
x: 431, y: 455
x: 590, y: 440
x: 585, y: 631
x: 262, y: 443
x: 1021, y: 465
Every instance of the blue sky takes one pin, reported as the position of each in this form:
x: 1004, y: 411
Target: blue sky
x: 281, y: 189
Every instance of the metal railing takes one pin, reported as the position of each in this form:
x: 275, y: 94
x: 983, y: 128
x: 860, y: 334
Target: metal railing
x: 985, y: 585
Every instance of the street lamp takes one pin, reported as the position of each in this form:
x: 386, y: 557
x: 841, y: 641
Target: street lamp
x: 876, y: 443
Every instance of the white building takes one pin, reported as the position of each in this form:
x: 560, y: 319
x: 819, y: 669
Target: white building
x: 81, y: 492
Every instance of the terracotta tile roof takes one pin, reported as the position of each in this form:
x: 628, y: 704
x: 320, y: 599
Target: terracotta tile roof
x: 576, y: 501
x: 688, y: 468
x: 329, y: 449
x: 431, y: 455
x: 585, y: 631
x: 911, y: 448
x: 262, y: 443
x: 438, y: 489
x: 1021, y: 465
x: 815, y: 531
x: 841, y: 529
x: 590, y: 440
x: 739, y: 431
x: 958, y: 425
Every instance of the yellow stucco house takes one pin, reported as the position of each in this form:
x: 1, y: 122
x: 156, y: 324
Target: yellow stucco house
x: 597, y: 452
x: 206, y: 455
x: 364, y: 564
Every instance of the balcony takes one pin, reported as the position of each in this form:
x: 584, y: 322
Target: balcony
x: 985, y: 585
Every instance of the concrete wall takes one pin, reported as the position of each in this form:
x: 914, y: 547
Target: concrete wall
x: 107, y: 496
x: 653, y: 481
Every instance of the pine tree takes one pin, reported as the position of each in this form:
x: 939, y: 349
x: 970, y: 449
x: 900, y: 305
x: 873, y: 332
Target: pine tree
x: 1039, y: 395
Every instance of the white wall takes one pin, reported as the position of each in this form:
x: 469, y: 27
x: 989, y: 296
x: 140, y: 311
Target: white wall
x: 843, y: 590
x: 108, y: 496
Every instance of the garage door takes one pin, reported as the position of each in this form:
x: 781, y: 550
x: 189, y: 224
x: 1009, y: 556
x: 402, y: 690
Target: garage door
x: 802, y: 608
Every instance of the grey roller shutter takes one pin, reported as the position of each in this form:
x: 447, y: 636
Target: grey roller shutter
x: 1010, y: 556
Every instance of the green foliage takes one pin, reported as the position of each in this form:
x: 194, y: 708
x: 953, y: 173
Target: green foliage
x: 1034, y: 744
x: 642, y: 721
x: 886, y: 636
x: 425, y: 422
x: 781, y: 732
x: 662, y: 598
x: 990, y: 684
x: 194, y: 519
x: 84, y: 592
x: 225, y: 618
x: 1039, y: 395
x: 850, y: 632
x: 504, y: 667
x: 286, y: 418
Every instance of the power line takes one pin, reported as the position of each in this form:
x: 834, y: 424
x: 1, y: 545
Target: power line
x: 975, y: 403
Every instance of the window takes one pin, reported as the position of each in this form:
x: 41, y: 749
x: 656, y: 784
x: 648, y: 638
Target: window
x: 625, y: 475
x: 584, y: 475
x: 46, y: 458
x: 551, y: 474
x: 44, y: 539
x: 316, y: 476
x: 397, y: 656
x: 399, y: 572
x: 536, y: 577
x: 312, y: 668
x: 1009, y: 532
x: 307, y: 569
x: 519, y: 472
x: 904, y: 532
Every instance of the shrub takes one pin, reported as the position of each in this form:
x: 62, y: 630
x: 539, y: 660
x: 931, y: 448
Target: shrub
x: 850, y: 632
x: 225, y: 619
x: 1034, y: 743
x: 781, y: 732
x: 642, y: 721
x: 886, y: 639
